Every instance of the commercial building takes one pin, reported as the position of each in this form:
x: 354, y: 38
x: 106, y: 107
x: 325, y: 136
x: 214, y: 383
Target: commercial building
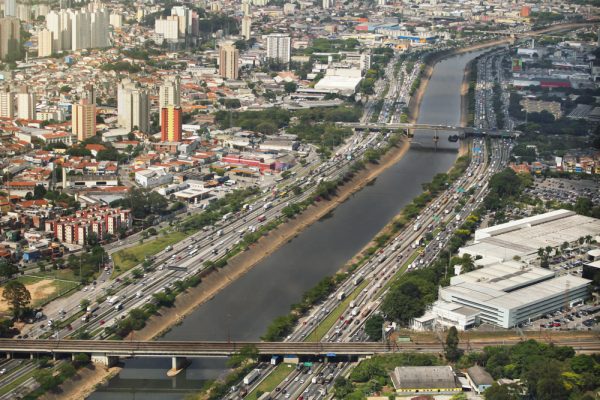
x: 229, y: 57
x: 10, y: 37
x: 152, y: 177
x: 133, y: 106
x: 340, y: 80
x: 170, y: 128
x: 279, y: 48
x: 83, y: 121
x: 425, y: 380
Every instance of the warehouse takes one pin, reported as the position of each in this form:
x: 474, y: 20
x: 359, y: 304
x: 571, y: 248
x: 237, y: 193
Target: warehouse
x: 425, y: 380
x: 507, y: 294
x: 522, y: 238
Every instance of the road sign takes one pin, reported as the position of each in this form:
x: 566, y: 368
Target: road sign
x: 330, y: 354
x: 308, y: 364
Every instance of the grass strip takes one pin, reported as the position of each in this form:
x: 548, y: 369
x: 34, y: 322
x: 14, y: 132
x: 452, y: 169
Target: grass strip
x: 130, y: 257
x: 398, y: 273
x: 271, y: 381
x: 17, y: 382
x: 324, y: 326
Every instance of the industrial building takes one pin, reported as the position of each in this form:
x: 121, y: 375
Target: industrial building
x: 522, y: 238
x: 425, y: 380
x: 509, y: 288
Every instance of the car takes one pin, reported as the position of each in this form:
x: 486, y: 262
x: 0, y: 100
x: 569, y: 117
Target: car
x: 2, y: 371
x: 102, y: 322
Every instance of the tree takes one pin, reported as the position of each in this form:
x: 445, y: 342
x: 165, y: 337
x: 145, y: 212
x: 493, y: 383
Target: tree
x: 46, y: 379
x: 7, y: 270
x: 39, y: 191
x: 453, y: 353
x: 373, y: 327
x: 17, y: 296
x: 503, y: 392
x: 290, y: 87
x: 84, y: 304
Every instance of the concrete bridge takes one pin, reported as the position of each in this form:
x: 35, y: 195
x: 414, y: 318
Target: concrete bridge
x: 109, y: 352
x: 461, y: 131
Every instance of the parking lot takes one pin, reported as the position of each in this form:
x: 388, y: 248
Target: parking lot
x: 565, y: 190
x: 583, y: 317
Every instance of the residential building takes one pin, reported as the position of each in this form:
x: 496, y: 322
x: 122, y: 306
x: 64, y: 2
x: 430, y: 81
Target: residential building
x: 26, y: 103
x: 116, y: 20
x: 169, y: 94
x: 133, y: 106
x: 228, y: 61
x: 10, y: 37
x: 246, y: 27
x: 246, y: 7
x: 7, y: 103
x: 10, y: 8
x: 327, y: 4
x: 44, y: 43
x: 167, y: 27
x: 83, y: 121
x: 279, y: 48
x: 170, y: 128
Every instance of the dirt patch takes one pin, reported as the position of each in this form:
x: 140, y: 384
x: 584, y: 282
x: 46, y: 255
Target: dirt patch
x: 39, y: 291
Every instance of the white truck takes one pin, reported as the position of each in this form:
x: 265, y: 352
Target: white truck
x: 341, y: 296
x: 112, y: 299
x: 251, y: 377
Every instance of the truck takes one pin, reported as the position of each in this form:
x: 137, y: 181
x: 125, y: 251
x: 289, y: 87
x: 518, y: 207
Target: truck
x: 416, y: 227
x: 112, y: 299
x: 357, y: 280
x: 118, y: 306
x: 341, y: 295
x: 261, y: 218
x: 354, y: 312
x: 251, y: 377
x: 352, y: 304
x: 267, y: 205
x: 275, y: 360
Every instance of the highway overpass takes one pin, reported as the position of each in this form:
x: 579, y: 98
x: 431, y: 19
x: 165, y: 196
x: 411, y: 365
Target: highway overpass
x: 461, y: 131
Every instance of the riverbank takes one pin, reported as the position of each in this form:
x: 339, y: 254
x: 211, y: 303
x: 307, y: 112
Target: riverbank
x: 83, y: 384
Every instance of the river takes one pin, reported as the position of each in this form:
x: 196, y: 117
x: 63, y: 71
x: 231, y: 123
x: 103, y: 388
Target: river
x: 243, y: 310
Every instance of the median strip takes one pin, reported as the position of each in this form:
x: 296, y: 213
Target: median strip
x: 324, y: 326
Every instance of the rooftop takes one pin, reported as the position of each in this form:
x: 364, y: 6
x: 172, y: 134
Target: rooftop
x: 423, y: 377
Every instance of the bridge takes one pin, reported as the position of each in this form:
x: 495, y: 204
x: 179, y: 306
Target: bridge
x: 462, y: 131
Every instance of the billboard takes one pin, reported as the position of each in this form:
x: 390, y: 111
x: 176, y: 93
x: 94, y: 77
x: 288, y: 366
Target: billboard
x: 517, y: 65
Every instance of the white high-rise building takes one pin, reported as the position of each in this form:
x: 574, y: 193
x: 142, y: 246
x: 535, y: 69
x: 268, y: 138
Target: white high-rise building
x: 78, y: 29
x: 184, y: 19
x: 279, y: 47
x: 99, y: 28
x: 81, y: 33
x: 44, y: 43
x: 169, y: 94
x: 7, y: 103
x: 246, y: 27
x: 327, y: 4
x: 10, y: 8
x: 26, y: 104
x: 246, y: 7
x: 116, y: 20
x: 167, y: 27
x: 133, y: 106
